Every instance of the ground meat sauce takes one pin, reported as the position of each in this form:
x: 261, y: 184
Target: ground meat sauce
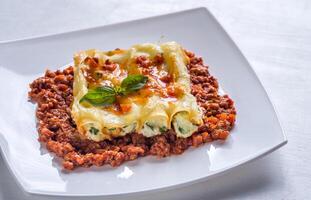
x: 53, y: 93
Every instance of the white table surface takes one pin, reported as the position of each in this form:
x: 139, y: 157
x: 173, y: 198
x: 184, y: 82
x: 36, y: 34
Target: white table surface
x: 275, y: 36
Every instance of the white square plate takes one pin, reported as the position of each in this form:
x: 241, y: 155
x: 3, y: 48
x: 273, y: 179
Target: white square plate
x: 257, y: 131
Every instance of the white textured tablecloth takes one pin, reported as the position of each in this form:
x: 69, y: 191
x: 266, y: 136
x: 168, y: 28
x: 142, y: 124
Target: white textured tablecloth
x: 275, y: 36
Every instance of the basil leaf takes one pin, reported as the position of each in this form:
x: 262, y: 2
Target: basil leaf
x: 100, y: 96
x: 106, y: 95
x: 133, y: 83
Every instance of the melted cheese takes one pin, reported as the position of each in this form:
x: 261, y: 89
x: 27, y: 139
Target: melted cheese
x: 149, y: 115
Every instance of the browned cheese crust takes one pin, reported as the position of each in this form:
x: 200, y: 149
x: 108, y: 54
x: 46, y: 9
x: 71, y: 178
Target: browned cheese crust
x: 53, y: 94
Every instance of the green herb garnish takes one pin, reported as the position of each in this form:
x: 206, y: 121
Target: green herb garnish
x: 100, y: 96
x: 106, y: 95
x: 181, y: 130
x: 93, y: 131
x: 149, y: 125
x: 133, y: 83
x: 162, y: 129
x: 98, y: 75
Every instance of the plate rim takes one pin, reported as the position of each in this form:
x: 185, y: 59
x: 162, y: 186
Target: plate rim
x: 42, y: 36
x: 213, y: 174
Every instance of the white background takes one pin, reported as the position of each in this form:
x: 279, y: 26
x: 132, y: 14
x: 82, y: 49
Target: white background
x: 275, y: 37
